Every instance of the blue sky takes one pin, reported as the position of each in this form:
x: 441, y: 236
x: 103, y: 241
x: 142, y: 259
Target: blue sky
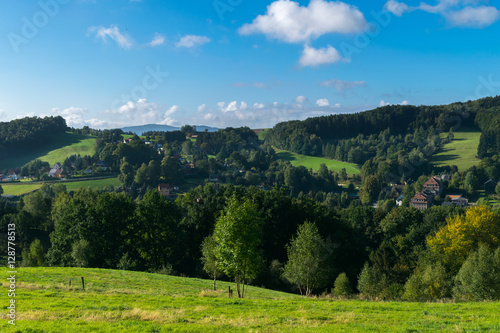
x: 255, y: 63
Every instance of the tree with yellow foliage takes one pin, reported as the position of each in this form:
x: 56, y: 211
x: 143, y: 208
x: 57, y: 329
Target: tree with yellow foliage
x: 463, y: 234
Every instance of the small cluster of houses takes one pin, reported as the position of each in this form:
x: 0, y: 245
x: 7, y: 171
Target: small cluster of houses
x: 11, y: 176
x: 432, y: 188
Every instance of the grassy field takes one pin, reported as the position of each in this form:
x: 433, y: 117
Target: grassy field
x: 312, y: 162
x: 461, y: 151
x: 56, y: 151
x: 120, y: 301
x: 21, y: 189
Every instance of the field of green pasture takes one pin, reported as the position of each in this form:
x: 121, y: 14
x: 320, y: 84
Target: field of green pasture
x: 25, y: 188
x: 121, y: 301
x: 311, y: 162
x: 63, y: 146
x: 461, y: 151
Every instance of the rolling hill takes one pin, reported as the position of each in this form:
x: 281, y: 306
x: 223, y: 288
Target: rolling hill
x: 123, y: 301
x: 56, y: 151
x: 462, y: 151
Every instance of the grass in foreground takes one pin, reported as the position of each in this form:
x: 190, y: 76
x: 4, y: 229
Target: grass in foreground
x: 311, y: 162
x: 63, y: 146
x: 120, y: 301
x: 461, y: 151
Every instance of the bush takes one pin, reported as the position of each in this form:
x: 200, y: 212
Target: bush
x: 82, y: 253
x: 427, y: 284
x: 35, y: 256
x: 342, y: 287
x: 372, y: 282
x: 479, y: 277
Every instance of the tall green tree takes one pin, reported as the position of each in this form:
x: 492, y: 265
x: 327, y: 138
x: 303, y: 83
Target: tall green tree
x: 126, y: 175
x: 209, y: 258
x: 155, y: 230
x: 238, y: 233
x: 307, y: 253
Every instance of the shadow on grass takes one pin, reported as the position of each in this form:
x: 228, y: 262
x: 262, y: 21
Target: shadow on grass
x: 286, y: 156
x: 25, y: 156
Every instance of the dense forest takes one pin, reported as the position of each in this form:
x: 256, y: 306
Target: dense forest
x: 28, y: 134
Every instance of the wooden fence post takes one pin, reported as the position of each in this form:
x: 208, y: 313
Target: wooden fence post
x: 83, y: 283
x: 70, y: 282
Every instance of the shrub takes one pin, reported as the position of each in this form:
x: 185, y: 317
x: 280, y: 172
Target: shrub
x: 372, y: 282
x: 342, y: 287
x: 427, y: 283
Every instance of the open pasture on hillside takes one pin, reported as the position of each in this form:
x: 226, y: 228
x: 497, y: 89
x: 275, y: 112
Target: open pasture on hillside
x: 121, y: 301
x: 56, y: 151
x: 461, y: 151
x: 25, y: 188
x: 311, y: 162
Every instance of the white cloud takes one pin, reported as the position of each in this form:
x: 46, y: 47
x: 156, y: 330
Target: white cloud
x: 315, y: 57
x: 143, y: 112
x: 384, y: 103
x: 190, y: 41
x: 322, y: 102
x: 397, y: 8
x: 458, y: 13
x: 158, y: 40
x: 474, y: 17
x: 266, y: 115
x: 343, y: 85
x: 2, y: 114
x: 301, y: 100
x: 289, y: 22
x: 114, y: 33
x: 232, y: 106
x: 202, y: 108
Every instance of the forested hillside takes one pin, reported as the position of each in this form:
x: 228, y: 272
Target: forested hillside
x: 28, y: 134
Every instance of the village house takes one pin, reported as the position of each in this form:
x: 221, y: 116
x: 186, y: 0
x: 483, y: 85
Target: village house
x: 54, y: 169
x: 166, y: 190
x: 456, y: 200
x: 421, y: 201
x: 433, y: 186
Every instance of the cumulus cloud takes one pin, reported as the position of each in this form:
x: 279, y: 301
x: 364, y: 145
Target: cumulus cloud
x: 113, y: 32
x: 384, y: 103
x: 289, y: 22
x: 301, y: 100
x: 343, y: 85
x: 158, y: 40
x: 2, y: 114
x: 315, y: 57
x: 397, y: 8
x: 144, y: 112
x: 479, y: 17
x: 458, y: 13
x: 202, y: 108
x: 265, y: 115
x: 190, y: 41
x: 322, y: 102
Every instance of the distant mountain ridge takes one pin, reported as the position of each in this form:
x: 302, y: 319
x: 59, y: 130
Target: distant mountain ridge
x: 162, y: 128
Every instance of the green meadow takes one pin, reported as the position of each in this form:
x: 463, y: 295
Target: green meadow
x: 121, y: 301
x: 56, y: 151
x: 311, y: 162
x: 25, y: 188
x: 461, y: 151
